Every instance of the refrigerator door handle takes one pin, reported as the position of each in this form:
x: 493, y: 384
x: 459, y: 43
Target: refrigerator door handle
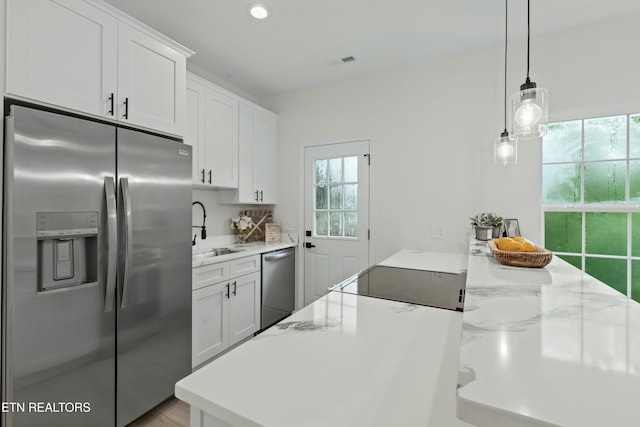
x: 112, y: 242
x: 128, y: 240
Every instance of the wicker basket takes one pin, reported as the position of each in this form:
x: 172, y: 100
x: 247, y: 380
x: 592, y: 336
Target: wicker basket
x: 539, y: 258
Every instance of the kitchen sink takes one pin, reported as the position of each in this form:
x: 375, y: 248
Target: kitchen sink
x: 213, y: 253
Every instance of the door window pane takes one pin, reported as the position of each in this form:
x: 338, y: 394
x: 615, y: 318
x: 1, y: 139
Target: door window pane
x: 563, y: 143
x: 561, y: 183
x: 336, y: 197
x: 605, y: 182
x: 321, y: 171
x: 321, y: 197
x: 336, y: 223
x: 351, y: 224
x: 335, y: 170
x: 605, y: 138
x: 350, y: 169
x: 563, y: 231
x: 351, y: 196
x: 606, y: 233
x: 322, y: 223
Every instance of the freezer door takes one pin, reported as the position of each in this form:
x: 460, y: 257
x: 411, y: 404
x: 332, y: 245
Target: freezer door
x: 59, y: 207
x: 154, y: 319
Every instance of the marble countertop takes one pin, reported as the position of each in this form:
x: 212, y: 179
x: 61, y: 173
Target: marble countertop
x: 546, y: 347
x: 345, y: 361
x: 244, y: 250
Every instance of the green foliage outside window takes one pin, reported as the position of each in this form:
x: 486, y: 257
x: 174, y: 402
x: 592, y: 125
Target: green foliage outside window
x: 590, y: 189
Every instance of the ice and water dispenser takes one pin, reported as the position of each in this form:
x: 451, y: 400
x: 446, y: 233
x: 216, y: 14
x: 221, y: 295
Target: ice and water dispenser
x: 67, y: 249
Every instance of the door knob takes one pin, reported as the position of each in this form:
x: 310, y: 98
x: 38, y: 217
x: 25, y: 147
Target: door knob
x: 309, y: 245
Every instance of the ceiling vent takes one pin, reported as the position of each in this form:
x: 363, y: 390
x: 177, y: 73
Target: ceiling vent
x: 345, y: 60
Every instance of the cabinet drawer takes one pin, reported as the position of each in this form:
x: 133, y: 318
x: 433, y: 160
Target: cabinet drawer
x: 209, y: 274
x: 243, y: 266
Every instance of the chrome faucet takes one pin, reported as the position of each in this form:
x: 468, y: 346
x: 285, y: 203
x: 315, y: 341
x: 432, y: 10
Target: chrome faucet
x: 203, y: 231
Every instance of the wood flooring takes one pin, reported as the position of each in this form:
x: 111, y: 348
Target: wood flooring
x: 171, y: 413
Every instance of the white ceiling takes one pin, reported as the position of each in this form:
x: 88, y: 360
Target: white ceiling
x: 298, y: 45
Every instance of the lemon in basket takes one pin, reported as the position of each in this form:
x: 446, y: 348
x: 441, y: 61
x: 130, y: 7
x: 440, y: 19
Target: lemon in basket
x: 509, y: 244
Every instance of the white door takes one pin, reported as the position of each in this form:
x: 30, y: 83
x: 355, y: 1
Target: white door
x: 151, y: 82
x: 336, y: 215
x: 63, y: 52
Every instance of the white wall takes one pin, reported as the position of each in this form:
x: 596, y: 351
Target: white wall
x: 432, y: 128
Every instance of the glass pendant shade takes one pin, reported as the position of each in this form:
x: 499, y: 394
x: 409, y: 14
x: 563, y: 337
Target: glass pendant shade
x: 530, y: 112
x: 505, y: 150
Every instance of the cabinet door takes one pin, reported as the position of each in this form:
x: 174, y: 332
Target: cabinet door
x: 244, y: 313
x: 210, y: 334
x: 266, y: 156
x: 221, y: 124
x: 194, y: 132
x: 62, y: 52
x: 248, y: 135
x: 151, y: 82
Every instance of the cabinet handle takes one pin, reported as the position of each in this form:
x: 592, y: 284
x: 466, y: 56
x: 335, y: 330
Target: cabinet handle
x: 261, y: 194
x: 209, y: 176
x: 257, y: 196
x: 203, y: 176
x: 126, y: 108
x: 111, y: 101
x: 227, y: 294
x: 235, y: 287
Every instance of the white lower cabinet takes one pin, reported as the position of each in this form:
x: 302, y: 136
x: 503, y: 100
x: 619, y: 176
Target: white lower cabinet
x: 226, y: 306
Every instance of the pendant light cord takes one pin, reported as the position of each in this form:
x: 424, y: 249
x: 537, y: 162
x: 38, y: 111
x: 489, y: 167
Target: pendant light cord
x: 528, y: 34
x: 506, y: 33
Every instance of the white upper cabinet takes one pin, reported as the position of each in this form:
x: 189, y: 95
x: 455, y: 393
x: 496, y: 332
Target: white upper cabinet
x: 194, y: 131
x: 221, y: 123
x: 265, y: 167
x: 87, y: 56
x: 57, y: 52
x: 151, y: 82
x: 212, y: 130
x: 257, y: 159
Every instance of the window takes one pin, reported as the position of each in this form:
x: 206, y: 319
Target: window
x: 336, y: 197
x: 591, y: 197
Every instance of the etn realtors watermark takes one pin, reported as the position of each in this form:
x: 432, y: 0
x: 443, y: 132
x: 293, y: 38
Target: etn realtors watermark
x: 45, y: 407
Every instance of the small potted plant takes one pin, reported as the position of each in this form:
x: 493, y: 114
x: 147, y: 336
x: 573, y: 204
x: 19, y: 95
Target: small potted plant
x: 487, y: 225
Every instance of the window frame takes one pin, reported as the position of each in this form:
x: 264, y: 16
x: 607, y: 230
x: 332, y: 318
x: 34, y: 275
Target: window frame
x: 626, y: 206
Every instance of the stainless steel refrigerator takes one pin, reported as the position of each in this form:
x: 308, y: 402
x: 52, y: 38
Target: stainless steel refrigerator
x: 96, y: 270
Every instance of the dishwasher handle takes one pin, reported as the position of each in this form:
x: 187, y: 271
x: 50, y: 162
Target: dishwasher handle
x: 279, y: 255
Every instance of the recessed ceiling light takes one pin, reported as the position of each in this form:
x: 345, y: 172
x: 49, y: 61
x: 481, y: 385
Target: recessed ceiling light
x: 258, y: 11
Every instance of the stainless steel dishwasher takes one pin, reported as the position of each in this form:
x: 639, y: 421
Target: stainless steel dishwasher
x: 278, y: 285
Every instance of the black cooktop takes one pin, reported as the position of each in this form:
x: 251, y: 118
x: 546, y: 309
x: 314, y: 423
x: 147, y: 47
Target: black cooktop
x: 430, y: 288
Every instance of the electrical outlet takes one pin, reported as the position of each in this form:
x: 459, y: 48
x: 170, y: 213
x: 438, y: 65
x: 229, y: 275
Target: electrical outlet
x: 437, y: 232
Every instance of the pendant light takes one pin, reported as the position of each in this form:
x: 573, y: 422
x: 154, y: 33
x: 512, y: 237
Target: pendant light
x: 529, y: 106
x: 505, y: 148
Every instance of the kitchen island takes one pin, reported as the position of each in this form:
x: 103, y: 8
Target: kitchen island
x: 546, y: 347
x: 345, y: 360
